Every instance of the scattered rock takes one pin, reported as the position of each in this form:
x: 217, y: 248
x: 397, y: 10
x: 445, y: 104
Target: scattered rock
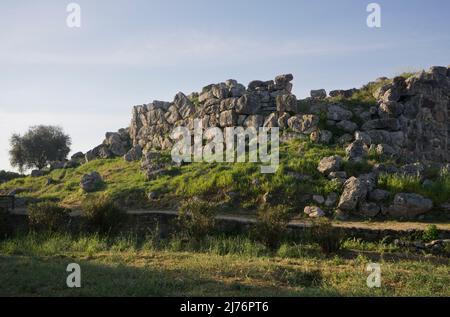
x: 347, y: 126
x: 369, y: 209
x: 322, y: 136
x: 331, y: 200
x: 330, y: 164
x: 318, y: 94
x: 379, y: 195
x: 337, y: 113
x: 355, y: 191
x: 37, y: 173
x: 91, y: 182
x: 319, y: 199
x: 314, y: 212
x: 356, y: 152
x: 409, y: 206
x: 135, y: 154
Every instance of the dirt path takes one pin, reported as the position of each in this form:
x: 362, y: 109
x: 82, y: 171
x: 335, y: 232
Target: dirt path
x: 375, y: 225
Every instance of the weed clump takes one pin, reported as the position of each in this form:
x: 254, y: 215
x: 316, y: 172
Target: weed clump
x: 102, y: 214
x: 329, y: 238
x: 196, y: 218
x: 271, y: 225
x: 48, y: 216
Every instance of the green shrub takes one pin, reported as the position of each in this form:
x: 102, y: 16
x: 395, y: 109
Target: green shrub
x: 102, y: 214
x: 48, y: 216
x: 431, y: 233
x: 271, y: 224
x: 196, y: 218
x: 329, y: 238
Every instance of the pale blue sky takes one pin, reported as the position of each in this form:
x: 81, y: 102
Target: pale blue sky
x: 130, y: 52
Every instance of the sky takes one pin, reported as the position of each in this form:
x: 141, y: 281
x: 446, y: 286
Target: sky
x: 131, y: 52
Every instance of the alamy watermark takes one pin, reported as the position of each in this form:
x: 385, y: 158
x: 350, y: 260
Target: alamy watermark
x: 374, y: 278
x: 374, y: 18
x: 74, y: 278
x: 73, y: 20
x: 231, y: 145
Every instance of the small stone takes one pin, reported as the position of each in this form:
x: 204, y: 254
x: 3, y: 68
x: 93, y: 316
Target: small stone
x: 330, y: 164
x: 314, y: 212
x: 379, y: 195
x: 331, y: 200
x: 319, y: 199
x: 37, y: 173
x: 91, y: 182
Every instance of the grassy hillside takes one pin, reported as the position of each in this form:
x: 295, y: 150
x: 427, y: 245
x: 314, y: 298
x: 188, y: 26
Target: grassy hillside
x: 236, y: 186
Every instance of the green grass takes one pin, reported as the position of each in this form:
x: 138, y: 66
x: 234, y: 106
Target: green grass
x: 439, y: 191
x: 125, y: 183
x: 365, y: 95
x: 35, y: 265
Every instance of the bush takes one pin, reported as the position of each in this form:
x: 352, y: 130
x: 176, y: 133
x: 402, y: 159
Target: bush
x: 329, y: 238
x: 271, y: 225
x: 102, y: 214
x: 197, y: 218
x: 48, y: 216
x: 431, y: 233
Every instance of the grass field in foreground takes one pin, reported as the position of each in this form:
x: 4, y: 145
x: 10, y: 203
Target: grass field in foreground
x: 34, y: 265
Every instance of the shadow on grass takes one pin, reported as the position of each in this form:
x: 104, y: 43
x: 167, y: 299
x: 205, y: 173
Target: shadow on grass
x: 46, y: 276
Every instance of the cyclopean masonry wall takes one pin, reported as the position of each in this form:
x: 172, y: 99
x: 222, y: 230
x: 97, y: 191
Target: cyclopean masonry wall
x: 228, y: 104
x: 411, y: 121
x: 415, y: 112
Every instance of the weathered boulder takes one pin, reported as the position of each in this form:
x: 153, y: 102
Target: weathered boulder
x: 345, y: 139
x: 331, y: 200
x: 347, y: 126
x: 330, y: 164
x: 369, y: 209
x: 355, y: 192
x: 254, y: 121
x: 283, y: 82
x: 363, y: 137
x: 77, y: 156
x: 91, y: 182
x: 287, y: 103
x: 153, y: 165
x: 382, y: 124
x: 314, y: 212
x: 135, y: 154
x: 379, y: 195
x: 271, y: 121
x: 228, y: 118
x: 99, y: 152
x: 321, y: 136
x: 319, y: 199
x: 386, y: 150
x: 56, y: 165
x: 248, y: 104
x: 407, y: 205
x: 115, y: 144
x: 390, y: 109
x: 356, y: 152
x: 337, y: 113
x: 37, y: 173
x: 318, y: 94
x: 184, y: 105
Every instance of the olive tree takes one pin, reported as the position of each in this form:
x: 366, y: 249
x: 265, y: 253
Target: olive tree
x: 39, y: 146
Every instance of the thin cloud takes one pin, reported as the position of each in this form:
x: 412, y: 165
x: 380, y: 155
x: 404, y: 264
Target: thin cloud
x: 178, y: 48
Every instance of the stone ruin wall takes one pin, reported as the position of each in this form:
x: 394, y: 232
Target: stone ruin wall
x: 411, y: 121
